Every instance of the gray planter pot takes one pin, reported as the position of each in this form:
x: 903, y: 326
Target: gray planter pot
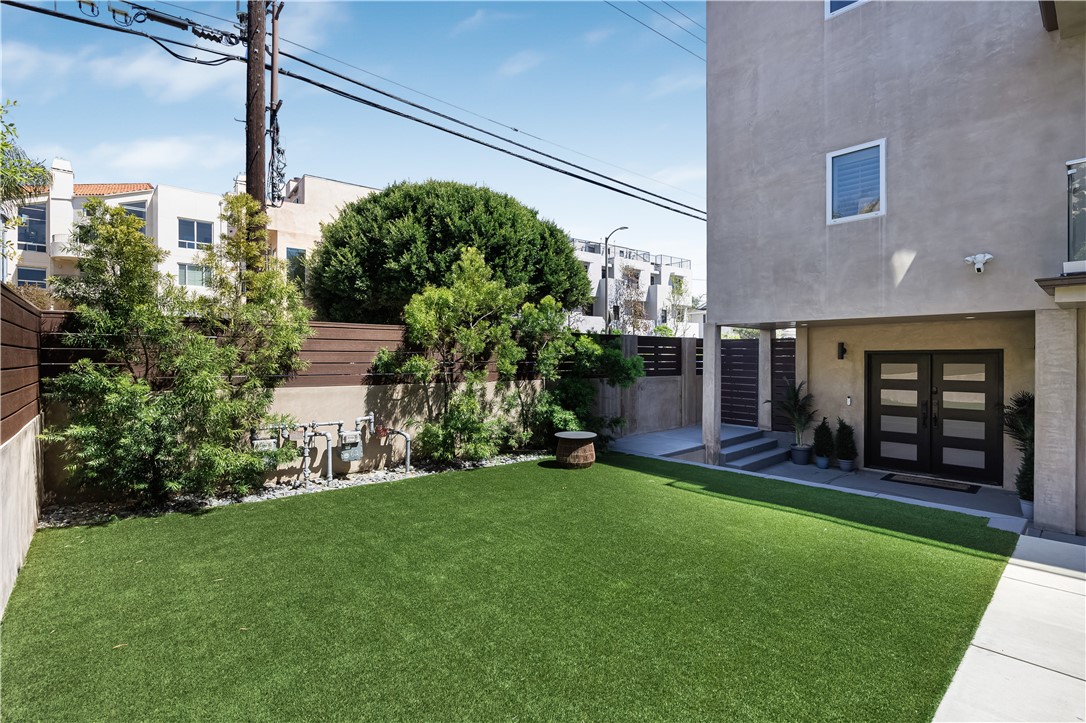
x: 801, y: 455
x: 846, y: 465
x: 822, y: 462
x: 1027, y: 508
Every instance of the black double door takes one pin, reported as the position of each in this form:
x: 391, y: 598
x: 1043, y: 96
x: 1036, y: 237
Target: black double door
x: 936, y: 413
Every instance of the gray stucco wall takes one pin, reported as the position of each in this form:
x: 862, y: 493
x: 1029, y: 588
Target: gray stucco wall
x: 980, y: 108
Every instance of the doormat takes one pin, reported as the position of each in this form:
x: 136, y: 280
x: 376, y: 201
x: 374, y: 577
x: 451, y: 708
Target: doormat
x: 943, y: 484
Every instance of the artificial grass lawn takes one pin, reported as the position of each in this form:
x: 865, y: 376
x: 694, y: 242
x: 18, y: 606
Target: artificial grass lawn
x: 636, y: 589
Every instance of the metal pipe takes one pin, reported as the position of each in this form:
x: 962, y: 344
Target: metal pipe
x: 407, y: 440
x: 371, y: 418
x: 328, y: 451
x: 305, y: 454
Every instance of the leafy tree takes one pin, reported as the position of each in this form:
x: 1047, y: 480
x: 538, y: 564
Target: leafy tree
x: 186, y: 377
x: 387, y: 247
x: 677, y: 303
x: 662, y: 330
x: 20, y: 175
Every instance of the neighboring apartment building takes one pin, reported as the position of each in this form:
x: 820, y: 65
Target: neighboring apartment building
x: 655, y: 277
x: 294, y: 228
x: 858, y: 152
x: 183, y: 222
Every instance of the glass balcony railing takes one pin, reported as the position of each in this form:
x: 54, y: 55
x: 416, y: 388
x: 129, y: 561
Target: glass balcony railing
x: 1076, y: 214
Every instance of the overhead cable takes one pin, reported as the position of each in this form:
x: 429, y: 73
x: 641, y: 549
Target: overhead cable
x: 637, y: 20
x: 665, y: 17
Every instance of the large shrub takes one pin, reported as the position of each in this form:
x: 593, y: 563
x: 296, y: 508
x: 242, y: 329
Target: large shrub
x: 387, y: 247
x: 186, y: 376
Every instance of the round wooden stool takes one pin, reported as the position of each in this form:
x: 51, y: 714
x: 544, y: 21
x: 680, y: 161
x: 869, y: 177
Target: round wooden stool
x: 576, y: 450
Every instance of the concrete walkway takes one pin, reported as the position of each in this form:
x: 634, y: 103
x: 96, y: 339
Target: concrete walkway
x: 1027, y: 661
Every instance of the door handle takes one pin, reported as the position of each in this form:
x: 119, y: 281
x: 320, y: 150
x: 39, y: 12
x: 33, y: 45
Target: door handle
x: 935, y: 414
x: 924, y: 414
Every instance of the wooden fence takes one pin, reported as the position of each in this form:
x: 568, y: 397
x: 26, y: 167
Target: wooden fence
x: 663, y: 355
x: 739, y: 382
x: 783, y: 364
x: 20, y: 388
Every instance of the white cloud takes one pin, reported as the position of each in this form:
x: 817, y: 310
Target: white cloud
x: 152, y: 157
x: 475, y: 20
x: 595, y: 37
x: 522, y: 62
x: 307, y: 23
x: 676, y: 83
x: 165, y: 79
x: 44, y: 72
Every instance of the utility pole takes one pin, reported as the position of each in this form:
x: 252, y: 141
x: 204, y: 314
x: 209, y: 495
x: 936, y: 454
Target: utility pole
x: 254, y: 102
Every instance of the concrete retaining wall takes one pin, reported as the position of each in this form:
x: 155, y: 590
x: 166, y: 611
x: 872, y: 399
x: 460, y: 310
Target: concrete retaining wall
x: 20, y: 494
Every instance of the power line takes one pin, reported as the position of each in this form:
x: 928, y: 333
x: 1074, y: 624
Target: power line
x: 680, y: 12
x: 455, y: 106
x: 673, y: 42
x: 484, y: 131
x: 344, y: 94
x: 665, y: 17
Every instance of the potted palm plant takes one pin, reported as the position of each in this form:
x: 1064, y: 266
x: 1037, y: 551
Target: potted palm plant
x: 845, y: 446
x: 797, y: 406
x: 823, y: 444
x: 1018, y: 425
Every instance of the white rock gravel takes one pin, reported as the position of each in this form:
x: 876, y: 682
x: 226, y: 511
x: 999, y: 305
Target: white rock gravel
x: 99, y: 513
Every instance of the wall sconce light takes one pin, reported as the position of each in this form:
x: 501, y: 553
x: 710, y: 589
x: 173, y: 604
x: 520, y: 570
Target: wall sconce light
x: 841, y: 350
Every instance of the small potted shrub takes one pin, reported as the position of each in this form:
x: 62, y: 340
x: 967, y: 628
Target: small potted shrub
x: 797, y: 406
x: 1018, y: 425
x: 823, y: 444
x: 845, y: 446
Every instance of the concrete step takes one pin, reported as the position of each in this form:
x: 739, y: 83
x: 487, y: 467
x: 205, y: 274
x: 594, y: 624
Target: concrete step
x: 737, y: 435
x: 746, y: 448
x: 759, y: 460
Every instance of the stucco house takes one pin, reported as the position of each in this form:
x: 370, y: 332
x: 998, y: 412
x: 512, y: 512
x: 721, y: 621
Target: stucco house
x: 859, y: 152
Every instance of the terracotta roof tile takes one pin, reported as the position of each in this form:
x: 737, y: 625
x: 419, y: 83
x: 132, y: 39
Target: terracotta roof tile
x: 110, y: 189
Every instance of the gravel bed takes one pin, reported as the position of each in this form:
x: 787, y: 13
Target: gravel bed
x: 99, y: 513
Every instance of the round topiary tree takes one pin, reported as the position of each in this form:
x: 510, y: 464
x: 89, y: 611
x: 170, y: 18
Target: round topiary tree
x: 388, y: 246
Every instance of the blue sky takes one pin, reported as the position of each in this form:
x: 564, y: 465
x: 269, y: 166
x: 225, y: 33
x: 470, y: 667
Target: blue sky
x: 579, y: 74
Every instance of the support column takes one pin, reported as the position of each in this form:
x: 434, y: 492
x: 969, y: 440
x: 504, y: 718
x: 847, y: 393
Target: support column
x: 710, y: 393
x: 691, y: 383
x: 628, y: 406
x: 765, y: 379
x: 1056, y: 422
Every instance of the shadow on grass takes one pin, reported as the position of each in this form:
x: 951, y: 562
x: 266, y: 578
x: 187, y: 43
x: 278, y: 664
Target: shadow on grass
x: 924, y: 524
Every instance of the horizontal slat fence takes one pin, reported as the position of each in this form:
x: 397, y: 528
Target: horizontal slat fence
x: 20, y: 387
x: 783, y: 363
x: 739, y: 381
x: 663, y: 355
x: 340, y: 355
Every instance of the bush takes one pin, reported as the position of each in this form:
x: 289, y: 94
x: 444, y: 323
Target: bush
x: 846, y: 441
x: 662, y: 330
x: 823, y: 439
x: 385, y: 248
x: 465, y: 432
x: 187, y: 377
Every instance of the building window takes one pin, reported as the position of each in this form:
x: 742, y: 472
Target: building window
x: 836, y: 7
x: 139, y: 210
x: 296, y: 265
x: 30, y: 276
x: 193, y: 234
x: 856, y: 182
x: 192, y: 275
x: 32, y: 228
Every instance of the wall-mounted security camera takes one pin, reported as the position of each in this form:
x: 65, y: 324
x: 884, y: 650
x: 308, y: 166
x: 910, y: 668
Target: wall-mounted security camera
x: 978, y: 261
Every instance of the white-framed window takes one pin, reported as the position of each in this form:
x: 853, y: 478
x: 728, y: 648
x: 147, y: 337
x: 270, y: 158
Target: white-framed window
x: 193, y: 234
x: 30, y: 276
x: 296, y: 265
x: 137, y: 209
x: 856, y: 182
x: 192, y: 275
x: 836, y: 7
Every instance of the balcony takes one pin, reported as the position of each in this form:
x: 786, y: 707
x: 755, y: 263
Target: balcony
x: 1076, y: 217
x: 60, y: 247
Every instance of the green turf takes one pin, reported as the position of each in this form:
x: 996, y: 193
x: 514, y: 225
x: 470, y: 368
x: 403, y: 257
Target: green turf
x: 637, y: 589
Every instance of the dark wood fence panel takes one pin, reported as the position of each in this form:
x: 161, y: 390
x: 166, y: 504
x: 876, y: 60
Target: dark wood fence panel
x: 20, y: 386
x: 739, y: 381
x: 663, y: 355
x: 340, y: 355
x: 783, y: 353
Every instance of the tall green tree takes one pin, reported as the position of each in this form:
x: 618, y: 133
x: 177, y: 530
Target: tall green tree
x: 387, y: 247
x: 186, y: 377
x: 20, y: 175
